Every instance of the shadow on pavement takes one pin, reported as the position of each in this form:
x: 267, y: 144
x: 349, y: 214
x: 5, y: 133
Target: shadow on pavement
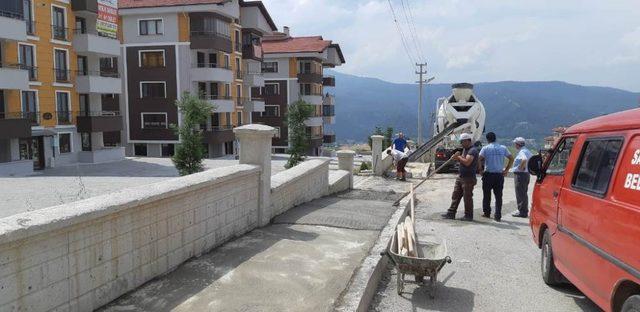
x: 192, y: 277
x: 580, y: 299
x: 446, y: 299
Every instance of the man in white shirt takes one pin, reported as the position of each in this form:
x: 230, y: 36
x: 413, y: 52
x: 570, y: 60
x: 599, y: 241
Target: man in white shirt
x: 400, y: 159
x: 520, y: 171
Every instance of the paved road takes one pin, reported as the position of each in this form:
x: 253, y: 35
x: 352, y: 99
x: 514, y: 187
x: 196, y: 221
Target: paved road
x: 495, y: 265
x: 302, y: 262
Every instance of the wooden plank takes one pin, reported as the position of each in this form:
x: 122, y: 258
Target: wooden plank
x: 413, y: 209
x: 401, y: 237
x: 411, y: 237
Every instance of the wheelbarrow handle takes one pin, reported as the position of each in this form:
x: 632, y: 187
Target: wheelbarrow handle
x: 448, y: 259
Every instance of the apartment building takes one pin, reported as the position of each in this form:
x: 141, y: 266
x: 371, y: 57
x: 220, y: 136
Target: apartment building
x: 210, y: 48
x: 59, y: 84
x: 293, y: 69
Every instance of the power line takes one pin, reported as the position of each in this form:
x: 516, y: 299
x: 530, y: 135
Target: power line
x: 412, y: 30
x: 413, y: 21
x: 402, y: 39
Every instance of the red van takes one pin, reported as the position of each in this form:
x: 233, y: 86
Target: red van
x: 585, y: 213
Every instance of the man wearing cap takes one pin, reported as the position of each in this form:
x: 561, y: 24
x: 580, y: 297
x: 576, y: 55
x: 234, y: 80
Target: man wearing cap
x: 493, y: 172
x: 520, y: 171
x: 466, y: 180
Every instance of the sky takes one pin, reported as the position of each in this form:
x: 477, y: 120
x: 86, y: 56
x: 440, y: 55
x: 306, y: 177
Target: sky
x: 587, y: 42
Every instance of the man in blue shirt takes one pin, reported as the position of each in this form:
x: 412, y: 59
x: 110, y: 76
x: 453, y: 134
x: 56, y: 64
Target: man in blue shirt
x: 399, y: 143
x: 521, y: 177
x: 492, y: 160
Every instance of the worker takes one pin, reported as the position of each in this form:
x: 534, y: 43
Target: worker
x: 400, y: 159
x: 493, y: 172
x: 466, y: 180
x: 521, y: 175
x: 400, y: 143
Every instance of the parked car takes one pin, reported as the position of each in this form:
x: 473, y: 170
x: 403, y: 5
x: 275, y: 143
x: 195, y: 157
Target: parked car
x: 585, y: 213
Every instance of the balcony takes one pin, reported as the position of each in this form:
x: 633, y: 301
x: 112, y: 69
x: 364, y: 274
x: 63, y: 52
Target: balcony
x: 316, y: 141
x: 254, y: 79
x: 62, y: 75
x: 252, y: 51
x: 206, y: 40
x: 313, y: 98
x: 13, y: 26
x: 329, y: 138
x: 63, y: 118
x: 85, y: 5
x: 14, y: 76
x: 85, y: 41
x: 314, y: 121
x: 100, y: 121
x: 309, y: 77
x: 15, y: 125
x: 221, y: 103
x: 101, y: 82
x: 329, y: 81
x: 218, y: 134
x: 254, y: 105
x: 211, y: 72
x: 328, y: 114
x: 60, y: 33
x: 329, y: 99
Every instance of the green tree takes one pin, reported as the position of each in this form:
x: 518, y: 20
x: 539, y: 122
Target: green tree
x: 376, y: 131
x: 297, y: 113
x: 388, y: 137
x: 190, y: 152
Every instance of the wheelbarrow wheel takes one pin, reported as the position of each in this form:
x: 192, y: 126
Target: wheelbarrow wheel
x: 400, y: 278
x: 419, y: 279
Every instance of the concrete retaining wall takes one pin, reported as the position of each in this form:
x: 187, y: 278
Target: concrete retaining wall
x: 339, y: 180
x: 102, y: 155
x: 16, y: 168
x: 82, y: 255
x: 300, y: 184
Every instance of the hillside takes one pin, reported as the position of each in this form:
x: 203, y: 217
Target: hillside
x: 528, y: 109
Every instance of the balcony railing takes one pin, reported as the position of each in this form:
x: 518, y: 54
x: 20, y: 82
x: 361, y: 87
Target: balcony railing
x: 60, y: 33
x: 211, y: 97
x: 328, y: 110
x: 98, y: 113
x: 101, y: 73
x: 210, y: 65
x: 221, y: 128
x: 84, y: 30
x: 33, y: 71
x: 240, y: 74
x: 237, y: 46
x: 311, y: 94
x: 64, y: 117
x: 208, y: 33
x: 240, y: 101
x: 252, y: 51
x: 13, y: 15
x: 62, y: 75
x: 33, y: 117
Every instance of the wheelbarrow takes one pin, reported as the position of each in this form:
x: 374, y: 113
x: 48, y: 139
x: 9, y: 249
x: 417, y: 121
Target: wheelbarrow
x: 431, y: 258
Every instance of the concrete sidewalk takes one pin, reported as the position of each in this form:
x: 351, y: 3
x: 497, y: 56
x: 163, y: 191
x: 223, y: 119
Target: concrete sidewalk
x: 302, y: 262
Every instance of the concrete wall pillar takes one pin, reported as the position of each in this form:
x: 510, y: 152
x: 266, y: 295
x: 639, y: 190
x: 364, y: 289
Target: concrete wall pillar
x: 255, y: 149
x: 376, y: 152
x: 14, y: 149
x: 345, y: 162
x: 97, y: 141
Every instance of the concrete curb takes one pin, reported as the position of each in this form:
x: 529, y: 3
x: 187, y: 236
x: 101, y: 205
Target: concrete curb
x: 364, y: 282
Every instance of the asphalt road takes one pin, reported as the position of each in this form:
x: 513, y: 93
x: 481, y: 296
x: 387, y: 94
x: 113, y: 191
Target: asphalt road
x: 496, y: 266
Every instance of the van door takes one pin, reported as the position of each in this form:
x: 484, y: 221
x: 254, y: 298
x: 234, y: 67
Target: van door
x: 583, y: 207
x: 549, y: 187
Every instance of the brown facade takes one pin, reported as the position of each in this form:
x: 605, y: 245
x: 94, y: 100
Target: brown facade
x: 206, y: 39
x: 281, y: 101
x: 138, y: 105
x: 99, y: 123
x: 218, y: 136
x: 15, y: 128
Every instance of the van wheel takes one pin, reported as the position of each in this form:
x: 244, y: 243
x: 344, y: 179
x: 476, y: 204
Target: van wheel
x: 550, y: 273
x: 632, y: 304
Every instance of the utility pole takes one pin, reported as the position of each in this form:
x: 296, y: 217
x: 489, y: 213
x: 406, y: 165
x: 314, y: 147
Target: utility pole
x: 421, y: 82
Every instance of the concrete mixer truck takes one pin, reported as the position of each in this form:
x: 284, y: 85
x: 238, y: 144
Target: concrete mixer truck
x: 460, y: 112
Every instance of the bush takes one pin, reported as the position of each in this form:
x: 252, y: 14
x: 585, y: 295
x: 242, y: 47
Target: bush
x: 297, y: 113
x: 190, y: 152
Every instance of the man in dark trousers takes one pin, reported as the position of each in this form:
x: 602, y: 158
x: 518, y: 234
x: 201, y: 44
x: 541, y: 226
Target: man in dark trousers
x: 493, y: 172
x: 466, y: 180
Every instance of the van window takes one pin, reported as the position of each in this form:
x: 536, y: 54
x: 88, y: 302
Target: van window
x: 560, y: 157
x: 596, y: 165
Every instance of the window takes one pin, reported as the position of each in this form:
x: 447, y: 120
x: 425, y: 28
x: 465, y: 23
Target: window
x: 206, y: 60
x: 272, y: 89
x: 153, y: 90
x: 305, y: 89
x: 61, y: 67
x: 151, y: 59
x: 167, y: 150
x: 28, y: 17
x: 271, y: 111
x: 85, y: 137
x: 154, y: 121
x: 58, y: 28
x: 140, y: 149
x: 65, y: 142
x: 26, y: 58
x: 270, y: 67
x: 239, y: 117
x: 277, y: 132
x: 30, y: 106
x: 150, y: 27
x: 227, y: 117
x: 305, y: 67
x: 227, y: 90
x: 85, y: 107
x: 227, y: 61
x: 63, y: 108
x: 596, y: 165
x: 81, y: 25
x: 560, y: 157
x: 83, y: 67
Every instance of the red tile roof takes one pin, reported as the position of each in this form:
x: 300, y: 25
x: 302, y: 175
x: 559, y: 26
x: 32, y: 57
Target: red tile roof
x: 294, y: 44
x: 128, y: 4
